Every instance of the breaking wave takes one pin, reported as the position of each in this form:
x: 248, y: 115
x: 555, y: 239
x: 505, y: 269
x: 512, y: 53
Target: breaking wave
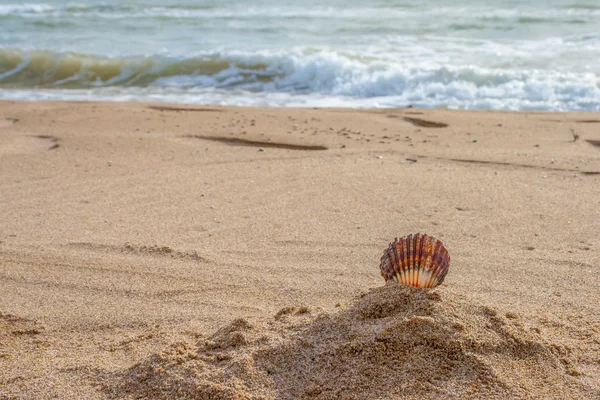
x: 296, y: 76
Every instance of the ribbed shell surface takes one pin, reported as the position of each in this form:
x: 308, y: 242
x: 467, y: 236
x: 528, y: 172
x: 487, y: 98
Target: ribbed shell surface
x: 415, y: 260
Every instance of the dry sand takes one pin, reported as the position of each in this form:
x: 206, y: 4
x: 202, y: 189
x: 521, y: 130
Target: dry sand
x: 168, y: 251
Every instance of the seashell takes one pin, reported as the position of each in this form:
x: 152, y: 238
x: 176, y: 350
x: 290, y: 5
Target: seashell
x: 415, y: 260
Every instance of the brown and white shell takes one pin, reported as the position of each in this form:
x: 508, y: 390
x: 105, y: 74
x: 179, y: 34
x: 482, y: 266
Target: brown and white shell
x: 415, y: 260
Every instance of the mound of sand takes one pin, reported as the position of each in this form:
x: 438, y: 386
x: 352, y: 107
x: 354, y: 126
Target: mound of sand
x: 391, y: 342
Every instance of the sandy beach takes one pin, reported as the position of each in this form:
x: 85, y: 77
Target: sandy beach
x: 153, y: 250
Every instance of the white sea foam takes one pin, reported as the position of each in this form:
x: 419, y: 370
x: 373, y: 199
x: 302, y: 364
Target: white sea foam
x: 27, y: 8
x: 335, y: 76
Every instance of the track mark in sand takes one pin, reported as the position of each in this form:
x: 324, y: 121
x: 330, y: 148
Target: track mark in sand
x: 67, y: 267
x: 52, y: 139
x: 578, y: 121
x: 18, y: 326
x: 17, y: 144
x: 595, y: 143
x: 257, y: 143
x: 78, y: 287
x: 167, y: 108
x: 424, y: 123
x: 8, y: 122
x: 128, y: 248
x: 520, y: 165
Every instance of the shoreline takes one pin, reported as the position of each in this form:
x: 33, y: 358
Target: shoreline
x: 190, y: 105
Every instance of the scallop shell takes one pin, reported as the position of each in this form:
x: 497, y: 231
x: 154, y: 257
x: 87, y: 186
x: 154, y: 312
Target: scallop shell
x: 415, y: 260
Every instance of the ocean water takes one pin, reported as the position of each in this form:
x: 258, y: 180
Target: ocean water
x: 470, y: 54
